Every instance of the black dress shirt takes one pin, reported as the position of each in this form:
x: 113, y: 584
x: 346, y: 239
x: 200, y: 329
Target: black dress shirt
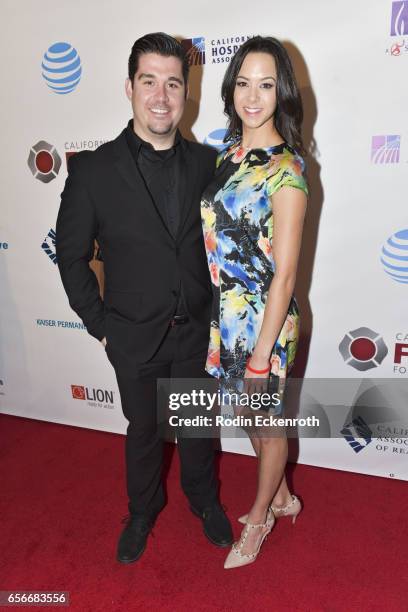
x: 162, y: 173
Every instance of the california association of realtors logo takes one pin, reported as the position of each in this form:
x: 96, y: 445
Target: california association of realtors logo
x: 385, y: 149
x: 363, y: 349
x: 394, y: 256
x: 195, y: 50
x: 357, y: 433
x: 101, y: 398
x: 61, y: 68
x: 44, y: 161
x: 48, y: 245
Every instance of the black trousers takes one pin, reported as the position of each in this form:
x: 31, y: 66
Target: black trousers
x: 144, y: 445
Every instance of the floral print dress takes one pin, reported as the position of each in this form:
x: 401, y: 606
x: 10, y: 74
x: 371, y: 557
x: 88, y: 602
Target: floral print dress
x: 237, y: 220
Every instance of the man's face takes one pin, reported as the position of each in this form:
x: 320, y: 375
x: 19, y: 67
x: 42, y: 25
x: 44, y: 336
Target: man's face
x: 158, y: 95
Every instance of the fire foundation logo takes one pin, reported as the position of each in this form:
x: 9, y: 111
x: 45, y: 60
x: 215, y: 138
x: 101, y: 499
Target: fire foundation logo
x: 363, y: 349
x: 72, y: 147
x: 401, y: 354
x: 97, y: 398
x: 44, y: 161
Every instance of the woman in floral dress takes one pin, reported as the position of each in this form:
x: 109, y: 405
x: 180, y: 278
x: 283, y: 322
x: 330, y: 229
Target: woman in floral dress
x: 253, y: 213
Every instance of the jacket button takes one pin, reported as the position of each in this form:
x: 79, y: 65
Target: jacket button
x: 174, y: 292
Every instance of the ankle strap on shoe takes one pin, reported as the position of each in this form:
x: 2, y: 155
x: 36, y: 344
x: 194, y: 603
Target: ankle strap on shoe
x: 285, y: 508
x: 270, y: 519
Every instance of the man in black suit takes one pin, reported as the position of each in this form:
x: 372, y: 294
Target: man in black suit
x: 139, y: 197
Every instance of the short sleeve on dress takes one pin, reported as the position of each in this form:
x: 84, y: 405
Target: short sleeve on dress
x: 288, y: 171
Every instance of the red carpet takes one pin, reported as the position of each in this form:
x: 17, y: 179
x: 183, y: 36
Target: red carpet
x: 62, y: 500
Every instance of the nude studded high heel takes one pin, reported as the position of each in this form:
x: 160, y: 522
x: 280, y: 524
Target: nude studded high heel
x: 291, y: 509
x: 235, y: 557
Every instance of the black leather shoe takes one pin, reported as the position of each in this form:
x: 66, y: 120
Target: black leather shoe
x: 217, y: 527
x: 132, y: 541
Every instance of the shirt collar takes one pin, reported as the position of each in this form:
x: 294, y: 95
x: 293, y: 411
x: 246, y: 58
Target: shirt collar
x: 136, y: 143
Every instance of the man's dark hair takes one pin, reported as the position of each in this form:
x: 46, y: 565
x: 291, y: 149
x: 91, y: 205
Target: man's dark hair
x: 159, y: 43
x: 289, y: 110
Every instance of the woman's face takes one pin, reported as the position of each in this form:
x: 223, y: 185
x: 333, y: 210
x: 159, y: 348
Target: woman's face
x: 255, y: 91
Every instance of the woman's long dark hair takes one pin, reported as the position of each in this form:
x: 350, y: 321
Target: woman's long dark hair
x: 288, y: 115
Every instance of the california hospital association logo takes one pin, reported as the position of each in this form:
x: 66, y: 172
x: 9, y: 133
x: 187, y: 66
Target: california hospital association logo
x: 195, y: 50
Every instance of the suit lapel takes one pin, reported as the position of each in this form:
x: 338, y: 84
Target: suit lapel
x: 129, y: 171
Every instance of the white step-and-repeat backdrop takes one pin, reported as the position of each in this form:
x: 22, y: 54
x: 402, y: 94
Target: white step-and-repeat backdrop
x: 351, y: 61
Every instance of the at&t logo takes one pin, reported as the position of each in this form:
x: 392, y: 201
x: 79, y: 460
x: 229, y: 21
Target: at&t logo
x: 363, y: 349
x: 394, y: 256
x: 61, y: 67
x: 44, y: 161
x: 216, y: 139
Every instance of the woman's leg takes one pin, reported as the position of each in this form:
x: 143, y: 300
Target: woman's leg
x: 273, y: 453
x: 282, y: 495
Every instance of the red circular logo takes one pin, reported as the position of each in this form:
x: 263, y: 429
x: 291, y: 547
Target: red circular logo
x: 44, y: 162
x: 78, y: 392
x: 363, y: 349
x: 396, y: 49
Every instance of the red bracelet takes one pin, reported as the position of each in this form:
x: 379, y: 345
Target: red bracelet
x: 257, y: 371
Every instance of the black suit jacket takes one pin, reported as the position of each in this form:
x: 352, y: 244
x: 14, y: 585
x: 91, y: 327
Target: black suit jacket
x: 105, y: 198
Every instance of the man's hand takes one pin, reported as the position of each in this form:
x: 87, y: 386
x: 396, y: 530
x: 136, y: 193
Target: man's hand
x: 103, y: 341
